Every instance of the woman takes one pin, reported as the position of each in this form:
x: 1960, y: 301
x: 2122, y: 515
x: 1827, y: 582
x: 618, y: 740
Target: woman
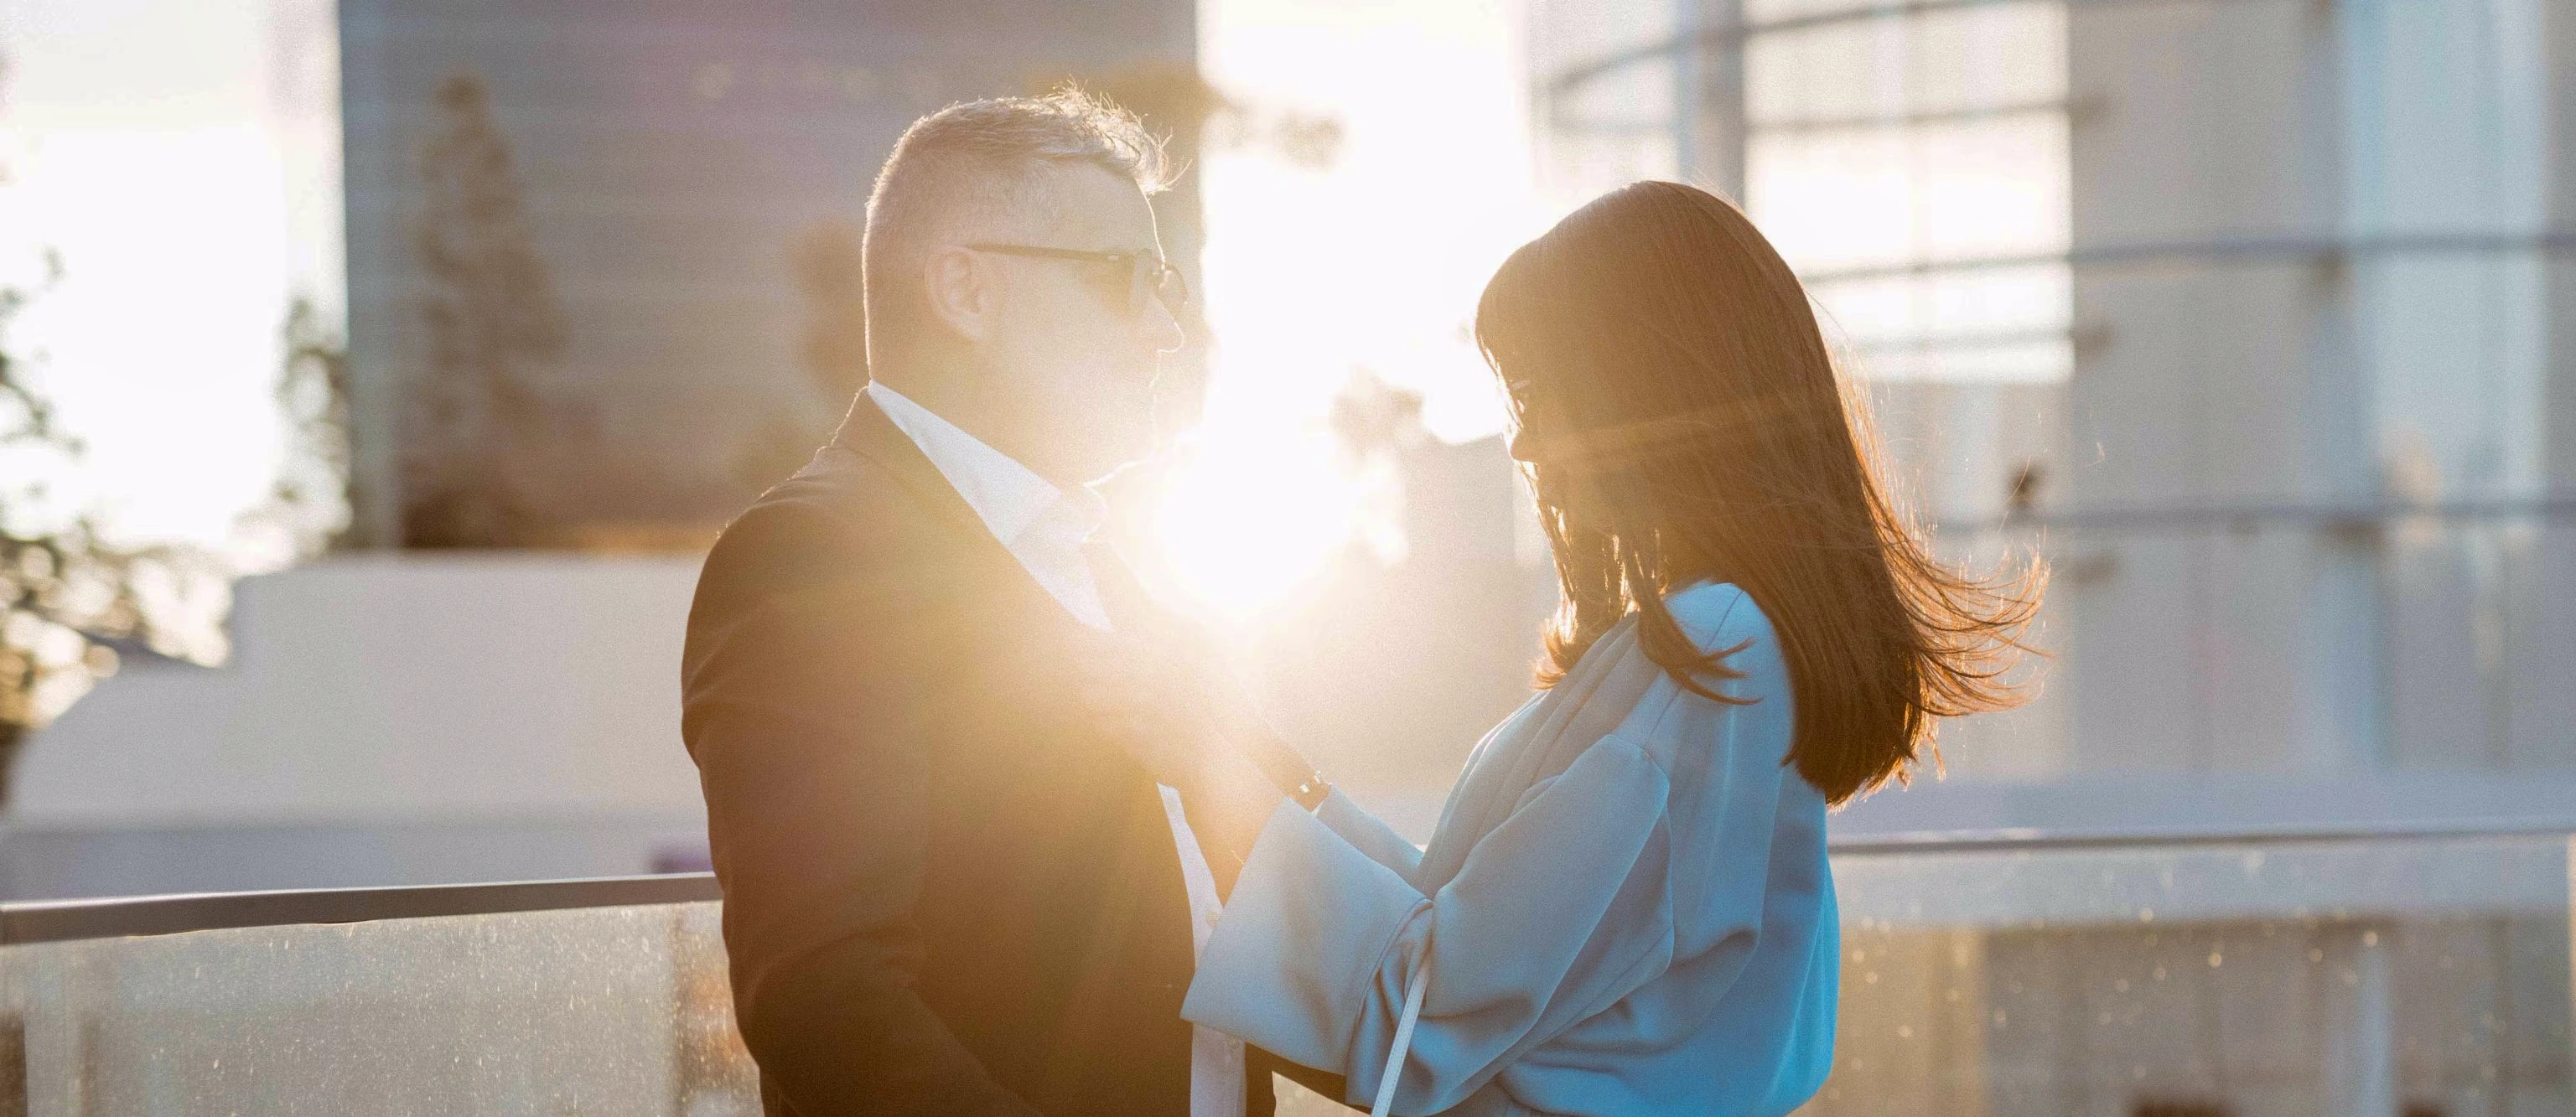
x: 1626, y: 908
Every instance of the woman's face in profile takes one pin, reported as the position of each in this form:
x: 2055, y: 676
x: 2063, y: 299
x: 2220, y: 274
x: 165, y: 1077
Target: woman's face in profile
x: 1523, y: 439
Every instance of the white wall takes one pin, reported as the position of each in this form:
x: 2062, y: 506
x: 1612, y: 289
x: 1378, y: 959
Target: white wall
x: 413, y: 706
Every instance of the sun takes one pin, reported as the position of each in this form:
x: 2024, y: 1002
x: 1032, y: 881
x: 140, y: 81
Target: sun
x: 1249, y: 515
x: 1311, y: 273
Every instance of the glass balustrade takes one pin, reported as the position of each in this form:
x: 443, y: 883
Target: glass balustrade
x: 2414, y: 974
x: 2424, y: 976
x: 607, y: 1010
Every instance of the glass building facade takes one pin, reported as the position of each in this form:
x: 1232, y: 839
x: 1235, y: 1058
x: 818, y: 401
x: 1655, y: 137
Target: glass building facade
x: 678, y: 190
x: 2253, y: 318
x: 2244, y: 313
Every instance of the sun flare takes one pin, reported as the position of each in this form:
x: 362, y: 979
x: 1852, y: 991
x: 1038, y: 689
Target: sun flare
x: 1314, y: 274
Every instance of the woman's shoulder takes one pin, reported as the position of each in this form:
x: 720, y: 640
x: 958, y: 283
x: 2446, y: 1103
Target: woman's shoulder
x: 1720, y: 615
x: 1721, y: 618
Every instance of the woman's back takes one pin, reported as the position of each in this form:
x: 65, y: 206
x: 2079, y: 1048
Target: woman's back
x: 1626, y: 908
x: 1739, y: 1016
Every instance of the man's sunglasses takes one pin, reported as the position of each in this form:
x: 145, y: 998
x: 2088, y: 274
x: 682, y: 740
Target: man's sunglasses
x: 1146, y: 272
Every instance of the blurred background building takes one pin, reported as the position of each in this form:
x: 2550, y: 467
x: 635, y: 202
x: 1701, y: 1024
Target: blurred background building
x: 665, y: 198
x: 2244, y: 313
x: 601, y: 290
x: 2253, y: 317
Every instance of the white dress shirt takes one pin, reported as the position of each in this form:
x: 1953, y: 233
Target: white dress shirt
x: 1045, y: 527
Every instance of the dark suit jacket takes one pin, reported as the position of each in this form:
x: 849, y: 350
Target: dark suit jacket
x: 943, y: 893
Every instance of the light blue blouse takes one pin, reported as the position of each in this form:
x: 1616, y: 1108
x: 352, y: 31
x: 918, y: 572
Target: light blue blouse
x: 1626, y: 908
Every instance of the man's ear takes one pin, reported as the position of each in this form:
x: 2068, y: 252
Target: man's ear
x: 960, y: 285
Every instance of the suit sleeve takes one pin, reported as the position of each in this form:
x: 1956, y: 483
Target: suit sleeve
x: 804, y: 705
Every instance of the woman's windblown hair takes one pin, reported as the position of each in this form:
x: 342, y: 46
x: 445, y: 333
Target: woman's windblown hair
x: 1681, y: 420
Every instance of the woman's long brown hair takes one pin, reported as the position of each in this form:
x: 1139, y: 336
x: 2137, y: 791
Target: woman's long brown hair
x: 1681, y: 420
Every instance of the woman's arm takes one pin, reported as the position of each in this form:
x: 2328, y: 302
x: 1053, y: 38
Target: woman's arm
x: 1234, y: 722
x: 1370, y: 835
x: 1197, y: 730
x: 1558, y: 912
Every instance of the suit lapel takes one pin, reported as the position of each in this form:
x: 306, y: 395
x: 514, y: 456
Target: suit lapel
x: 867, y: 431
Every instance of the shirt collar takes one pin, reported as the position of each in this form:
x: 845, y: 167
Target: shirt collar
x: 1009, y: 497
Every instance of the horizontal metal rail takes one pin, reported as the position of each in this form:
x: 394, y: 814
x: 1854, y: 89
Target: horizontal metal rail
x: 2260, y: 249
x: 1809, y: 125
x: 120, y: 917
x: 1921, y: 118
x: 117, y: 917
x: 2246, y: 517
x: 2034, y: 841
x: 1942, y: 343
x: 1731, y: 36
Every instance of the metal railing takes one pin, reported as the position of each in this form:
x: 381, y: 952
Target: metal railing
x: 117, y: 917
x: 574, y: 996
x: 27, y: 922
x: 1983, y: 972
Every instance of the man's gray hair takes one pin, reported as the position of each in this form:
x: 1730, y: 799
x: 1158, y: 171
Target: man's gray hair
x: 972, y: 161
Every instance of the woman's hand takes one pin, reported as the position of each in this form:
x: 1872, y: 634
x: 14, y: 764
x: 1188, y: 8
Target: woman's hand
x: 1157, y: 708
x: 1194, y: 674
x: 1132, y: 696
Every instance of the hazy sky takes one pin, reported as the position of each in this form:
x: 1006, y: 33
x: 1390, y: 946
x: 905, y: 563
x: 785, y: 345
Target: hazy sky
x: 1374, y: 262
x: 165, y: 150
x: 1378, y: 259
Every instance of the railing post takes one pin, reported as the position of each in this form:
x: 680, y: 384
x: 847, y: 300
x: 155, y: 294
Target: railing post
x: 13, y: 1065
x: 2358, y: 1005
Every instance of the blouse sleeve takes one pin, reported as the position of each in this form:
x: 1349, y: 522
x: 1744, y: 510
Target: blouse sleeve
x: 1558, y: 912
x: 1368, y: 834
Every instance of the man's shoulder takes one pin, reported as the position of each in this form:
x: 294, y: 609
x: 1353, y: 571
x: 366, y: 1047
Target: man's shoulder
x: 840, y: 516
x: 840, y: 497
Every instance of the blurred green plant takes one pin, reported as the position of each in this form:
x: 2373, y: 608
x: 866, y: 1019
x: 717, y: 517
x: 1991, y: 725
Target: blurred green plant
x: 75, y: 602
x: 479, y: 417
x: 312, y: 507
x: 71, y: 598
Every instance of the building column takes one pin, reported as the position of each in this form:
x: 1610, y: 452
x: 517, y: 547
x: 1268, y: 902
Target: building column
x: 2542, y: 640
x: 1708, y: 95
x: 2227, y: 377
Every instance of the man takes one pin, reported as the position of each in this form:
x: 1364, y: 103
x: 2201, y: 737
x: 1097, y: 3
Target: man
x: 946, y: 891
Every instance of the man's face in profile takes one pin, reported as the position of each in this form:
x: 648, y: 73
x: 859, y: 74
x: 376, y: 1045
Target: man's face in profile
x: 1077, y: 341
